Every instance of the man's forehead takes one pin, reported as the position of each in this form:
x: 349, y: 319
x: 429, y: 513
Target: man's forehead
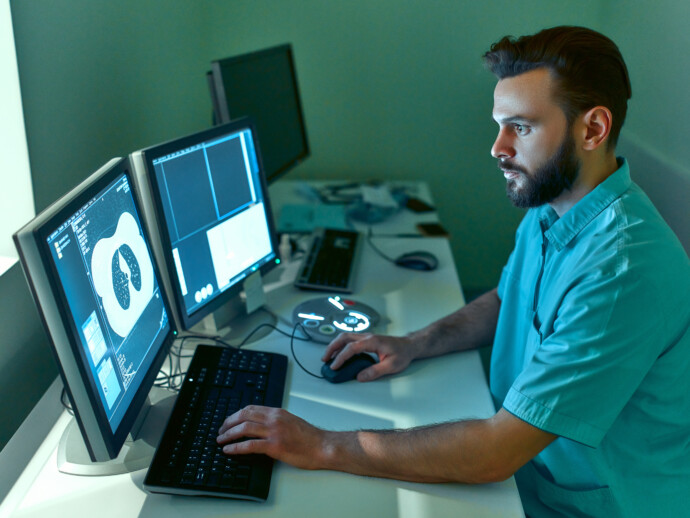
x: 524, y: 96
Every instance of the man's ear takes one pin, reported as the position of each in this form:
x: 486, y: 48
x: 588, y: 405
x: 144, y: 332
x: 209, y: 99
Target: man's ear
x: 597, y: 122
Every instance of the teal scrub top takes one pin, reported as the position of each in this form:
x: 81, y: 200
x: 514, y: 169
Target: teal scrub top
x: 592, y: 345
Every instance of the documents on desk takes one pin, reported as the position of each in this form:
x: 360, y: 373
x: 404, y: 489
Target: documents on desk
x: 304, y: 218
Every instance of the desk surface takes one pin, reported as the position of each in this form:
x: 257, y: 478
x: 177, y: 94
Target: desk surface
x: 432, y: 390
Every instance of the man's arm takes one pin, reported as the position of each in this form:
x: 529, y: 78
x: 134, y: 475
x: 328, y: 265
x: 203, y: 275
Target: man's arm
x: 476, y: 451
x: 472, y: 326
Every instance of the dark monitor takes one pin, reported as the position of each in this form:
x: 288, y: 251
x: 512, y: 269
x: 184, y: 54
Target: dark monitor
x: 213, y: 216
x: 263, y: 85
x: 89, y: 265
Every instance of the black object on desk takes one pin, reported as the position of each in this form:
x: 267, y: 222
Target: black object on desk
x: 219, y: 382
x: 331, y: 262
x: 348, y: 371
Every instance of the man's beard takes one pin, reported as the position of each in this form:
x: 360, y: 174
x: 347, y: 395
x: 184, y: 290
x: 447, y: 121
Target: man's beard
x: 548, y: 182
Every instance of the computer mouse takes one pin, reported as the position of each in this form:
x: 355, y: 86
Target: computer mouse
x: 348, y: 370
x: 418, y: 260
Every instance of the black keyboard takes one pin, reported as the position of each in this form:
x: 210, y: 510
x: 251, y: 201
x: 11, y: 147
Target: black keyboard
x: 219, y: 382
x: 331, y: 262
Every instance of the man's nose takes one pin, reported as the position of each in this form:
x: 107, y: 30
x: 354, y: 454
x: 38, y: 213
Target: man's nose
x: 503, y: 147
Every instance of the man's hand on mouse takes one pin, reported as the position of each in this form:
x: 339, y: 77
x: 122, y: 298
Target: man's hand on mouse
x: 395, y: 353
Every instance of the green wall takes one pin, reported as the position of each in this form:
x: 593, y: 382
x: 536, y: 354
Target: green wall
x: 654, y: 39
x: 392, y: 89
x: 101, y: 79
x: 396, y: 89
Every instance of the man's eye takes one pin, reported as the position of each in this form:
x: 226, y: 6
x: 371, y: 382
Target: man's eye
x: 521, y: 129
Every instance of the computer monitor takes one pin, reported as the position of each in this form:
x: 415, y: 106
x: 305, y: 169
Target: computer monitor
x: 89, y: 266
x: 214, y: 219
x: 263, y: 85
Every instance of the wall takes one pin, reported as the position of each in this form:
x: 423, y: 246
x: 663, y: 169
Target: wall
x: 101, y: 79
x: 653, y: 37
x: 16, y: 198
x: 392, y: 89
x: 397, y: 89
x: 26, y: 364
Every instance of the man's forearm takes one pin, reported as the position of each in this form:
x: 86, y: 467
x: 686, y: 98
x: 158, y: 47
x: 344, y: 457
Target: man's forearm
x: 463, y: 451
x: 471, y: 327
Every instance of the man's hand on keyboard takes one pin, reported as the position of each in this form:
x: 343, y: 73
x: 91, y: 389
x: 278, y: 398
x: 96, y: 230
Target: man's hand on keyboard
x: 395, y: 353
x: 273, y: 432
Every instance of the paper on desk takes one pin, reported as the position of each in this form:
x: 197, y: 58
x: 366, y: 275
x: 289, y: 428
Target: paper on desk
x: 378, y: 195
x: 305, y: 218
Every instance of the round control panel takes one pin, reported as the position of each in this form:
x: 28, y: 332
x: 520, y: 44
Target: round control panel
x: 325, y: 317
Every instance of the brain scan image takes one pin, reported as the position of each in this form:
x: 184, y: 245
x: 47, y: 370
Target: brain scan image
x: 123, y: 275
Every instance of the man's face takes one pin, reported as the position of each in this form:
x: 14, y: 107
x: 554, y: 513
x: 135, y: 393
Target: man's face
x: 535, y: 149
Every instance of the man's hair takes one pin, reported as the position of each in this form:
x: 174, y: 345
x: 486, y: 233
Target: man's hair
x: 587, y: 66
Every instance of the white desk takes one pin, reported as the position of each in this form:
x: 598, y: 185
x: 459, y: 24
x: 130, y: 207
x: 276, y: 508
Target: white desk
x: 433, y: 390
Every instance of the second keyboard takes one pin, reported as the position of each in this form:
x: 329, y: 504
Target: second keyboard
x: 331, y: 262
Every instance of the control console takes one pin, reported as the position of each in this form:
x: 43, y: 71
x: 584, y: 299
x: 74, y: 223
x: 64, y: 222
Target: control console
x: 323, y: 318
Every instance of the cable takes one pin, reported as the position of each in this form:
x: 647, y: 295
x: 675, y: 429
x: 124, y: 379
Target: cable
x: 292, y: 349
x: 175, y: 355
x: 172, y: 380
x: 64, y: 400
x: 375, y: 248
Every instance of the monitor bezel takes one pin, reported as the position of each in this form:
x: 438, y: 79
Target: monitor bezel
x: 148, y: 155
x: 102, y: 443
x: 222, y: 112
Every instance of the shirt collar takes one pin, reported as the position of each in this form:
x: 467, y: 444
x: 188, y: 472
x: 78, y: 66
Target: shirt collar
x: 560, y: 231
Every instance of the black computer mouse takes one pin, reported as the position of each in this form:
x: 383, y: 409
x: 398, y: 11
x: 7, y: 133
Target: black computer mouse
x: 418, y: 260
x: 348, y: 370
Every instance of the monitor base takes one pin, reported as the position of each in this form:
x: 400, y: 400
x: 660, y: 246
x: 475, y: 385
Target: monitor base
x: 232, y: 323
x: 73, y: 458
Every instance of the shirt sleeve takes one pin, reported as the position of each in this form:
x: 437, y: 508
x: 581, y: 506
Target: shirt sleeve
x: 593, y: 356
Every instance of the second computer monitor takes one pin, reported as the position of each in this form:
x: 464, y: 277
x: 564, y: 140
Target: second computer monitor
x: 214, y: 218
x: 263, y: 85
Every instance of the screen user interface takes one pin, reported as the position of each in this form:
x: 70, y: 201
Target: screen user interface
x: 105, y: 269
x: 215, y: 214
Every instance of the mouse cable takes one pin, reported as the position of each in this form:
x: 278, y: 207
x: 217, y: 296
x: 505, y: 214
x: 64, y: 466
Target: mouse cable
x: 292, y: 336
x: 375, y: 248
x: 292, y: 348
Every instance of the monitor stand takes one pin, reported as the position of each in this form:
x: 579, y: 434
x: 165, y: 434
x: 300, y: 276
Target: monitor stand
x: 232, y: 323
x: 73, y: 458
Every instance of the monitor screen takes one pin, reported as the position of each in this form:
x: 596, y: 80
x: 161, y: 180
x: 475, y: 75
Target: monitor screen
x: 263, y: 85
x: 89, y: 264
x: 213, y: 214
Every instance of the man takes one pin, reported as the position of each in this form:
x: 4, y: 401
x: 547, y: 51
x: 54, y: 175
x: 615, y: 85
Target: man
x: 591, y: 361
